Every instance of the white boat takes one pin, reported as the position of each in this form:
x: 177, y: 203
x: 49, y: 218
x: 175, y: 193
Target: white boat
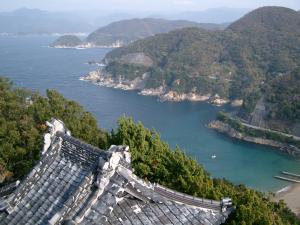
x: 213, y: 156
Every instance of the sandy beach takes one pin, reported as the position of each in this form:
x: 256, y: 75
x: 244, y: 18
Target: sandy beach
x: 291, y: 196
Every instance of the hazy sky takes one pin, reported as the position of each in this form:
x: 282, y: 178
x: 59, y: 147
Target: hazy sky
x: 144, y: 5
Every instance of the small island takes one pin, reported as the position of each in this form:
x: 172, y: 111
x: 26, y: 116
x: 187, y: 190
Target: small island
x: 67, y: 41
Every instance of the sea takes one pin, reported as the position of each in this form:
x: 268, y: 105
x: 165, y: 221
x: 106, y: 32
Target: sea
x: 30, y: 63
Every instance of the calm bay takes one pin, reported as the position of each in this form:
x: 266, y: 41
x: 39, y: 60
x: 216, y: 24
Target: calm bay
x: 29, y: 63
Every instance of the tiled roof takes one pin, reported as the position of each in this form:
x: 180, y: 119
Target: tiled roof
x: 76, y: 183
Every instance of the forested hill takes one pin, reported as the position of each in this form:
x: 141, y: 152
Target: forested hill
x: 22, y: 124
x: 127, y: 31
x: 267, y: 49
x: 265, y: 43
x: 265, y: 18
x: 237, y: 63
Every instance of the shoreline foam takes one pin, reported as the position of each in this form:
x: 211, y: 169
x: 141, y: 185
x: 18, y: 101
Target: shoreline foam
x: 283, y: 190
x: 291, y: 196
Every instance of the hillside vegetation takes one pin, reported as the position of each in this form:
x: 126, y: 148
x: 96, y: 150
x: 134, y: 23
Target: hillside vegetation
x: 283, y: 97
x: 247, y: 61
x: 22, y: 125
x: 190, y: 56
x: 127, y: 31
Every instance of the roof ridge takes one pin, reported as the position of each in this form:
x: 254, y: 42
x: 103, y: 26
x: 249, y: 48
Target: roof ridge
x: 78, y: 142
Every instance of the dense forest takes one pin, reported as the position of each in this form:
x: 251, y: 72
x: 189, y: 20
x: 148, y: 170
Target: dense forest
x: 22, y: 124
x: 245, y: 61
x: 283, y: 97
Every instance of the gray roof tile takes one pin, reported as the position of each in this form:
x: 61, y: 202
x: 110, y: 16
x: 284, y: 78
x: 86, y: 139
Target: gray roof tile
x: 61, y: 188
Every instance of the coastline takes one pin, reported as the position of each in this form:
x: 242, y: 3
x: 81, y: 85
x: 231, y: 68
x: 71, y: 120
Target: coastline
x: 228, y: 130
x: 162, y: 92
x: 291, y: 196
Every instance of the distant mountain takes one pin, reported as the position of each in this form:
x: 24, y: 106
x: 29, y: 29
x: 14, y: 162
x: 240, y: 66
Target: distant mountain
x: 34, y: 21
x: 123, y: 32
x: 103, y: 20
x: 127, y: 31
x: 221, y: 15
x: 239, y: 63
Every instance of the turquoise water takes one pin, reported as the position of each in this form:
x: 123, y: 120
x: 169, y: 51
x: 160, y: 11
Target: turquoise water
x: 31, y: 64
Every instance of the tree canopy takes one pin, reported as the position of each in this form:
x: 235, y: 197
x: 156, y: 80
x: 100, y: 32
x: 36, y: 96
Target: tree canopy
x: 22, y: 124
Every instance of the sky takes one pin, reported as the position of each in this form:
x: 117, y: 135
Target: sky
x: 142, y: 5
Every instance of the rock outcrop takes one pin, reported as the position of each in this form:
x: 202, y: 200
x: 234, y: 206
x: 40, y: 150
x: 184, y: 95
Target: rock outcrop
x: 137, y: 59
x: 102, y: 78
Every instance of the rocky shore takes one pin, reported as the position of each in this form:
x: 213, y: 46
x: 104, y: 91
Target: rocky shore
x: 106, y: 80
x: 138, y: 84
x: 231, y: 132
x: 86, y: 45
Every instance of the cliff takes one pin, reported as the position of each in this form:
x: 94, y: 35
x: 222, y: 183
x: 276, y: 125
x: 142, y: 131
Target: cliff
x: 102, y: 78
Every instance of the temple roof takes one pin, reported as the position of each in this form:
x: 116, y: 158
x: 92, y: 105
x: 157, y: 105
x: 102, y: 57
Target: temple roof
x: 76, y: 183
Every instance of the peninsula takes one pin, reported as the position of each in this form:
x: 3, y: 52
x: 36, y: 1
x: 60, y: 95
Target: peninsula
x: 252, y: 65
x: 209, y: 63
